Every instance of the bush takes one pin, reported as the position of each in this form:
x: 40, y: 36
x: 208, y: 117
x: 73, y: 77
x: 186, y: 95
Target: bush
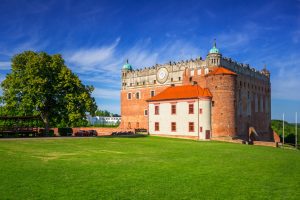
x: 65, y: 131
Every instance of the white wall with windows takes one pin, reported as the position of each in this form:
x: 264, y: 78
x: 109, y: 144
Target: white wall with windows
x: 98, y: 120
x: 189, y: 118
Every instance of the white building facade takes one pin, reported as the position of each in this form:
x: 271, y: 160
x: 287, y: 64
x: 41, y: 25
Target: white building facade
x: 183, y: 116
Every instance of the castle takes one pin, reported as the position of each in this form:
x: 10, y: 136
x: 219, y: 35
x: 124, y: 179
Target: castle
x: 198, y: 98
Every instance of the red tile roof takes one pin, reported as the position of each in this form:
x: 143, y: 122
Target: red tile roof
x: 221, y: 70
x: 182, y: 92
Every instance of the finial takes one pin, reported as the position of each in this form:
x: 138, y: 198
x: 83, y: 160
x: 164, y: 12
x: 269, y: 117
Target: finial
x: 215, y: 43
x: 127, y: 61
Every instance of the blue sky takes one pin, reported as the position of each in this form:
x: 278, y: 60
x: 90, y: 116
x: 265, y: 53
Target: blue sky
x: 96, y: 37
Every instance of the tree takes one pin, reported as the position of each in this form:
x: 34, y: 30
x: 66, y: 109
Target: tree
x: 41, y: 84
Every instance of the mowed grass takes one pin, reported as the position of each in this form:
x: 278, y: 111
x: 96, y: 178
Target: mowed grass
x: 145, y: 168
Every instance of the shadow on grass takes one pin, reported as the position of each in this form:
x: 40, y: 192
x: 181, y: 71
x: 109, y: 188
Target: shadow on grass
x: 125, y: 136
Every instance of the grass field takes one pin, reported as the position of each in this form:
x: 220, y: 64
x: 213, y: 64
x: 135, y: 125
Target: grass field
x: 145, y: 168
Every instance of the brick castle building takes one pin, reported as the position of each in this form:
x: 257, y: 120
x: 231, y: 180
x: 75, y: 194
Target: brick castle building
x: 202, y: 98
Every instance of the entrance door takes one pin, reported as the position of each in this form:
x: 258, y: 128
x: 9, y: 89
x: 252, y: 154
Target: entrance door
x: 207, y: 134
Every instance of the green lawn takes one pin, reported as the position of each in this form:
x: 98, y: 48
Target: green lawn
x: 145, y: 168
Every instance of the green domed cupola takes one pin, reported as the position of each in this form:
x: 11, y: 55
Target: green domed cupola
x: 214, y: 49
x: 127, y: 66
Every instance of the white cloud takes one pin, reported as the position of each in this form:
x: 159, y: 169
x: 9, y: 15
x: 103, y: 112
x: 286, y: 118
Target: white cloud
x: 5, y: 65
x: 102, y: 93
x: 93, y: 56
x: 91, y: 59
x: 285, y: 81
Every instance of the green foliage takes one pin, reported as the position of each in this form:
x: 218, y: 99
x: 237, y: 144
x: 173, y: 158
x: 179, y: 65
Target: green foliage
x: 41, y: 84
x: 105, y: 113
x: 145, y: 168
x: 289, y: 131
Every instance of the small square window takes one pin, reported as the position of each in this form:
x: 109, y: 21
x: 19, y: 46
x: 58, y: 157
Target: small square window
x: 129, y: 96
x: 146, y: 112
x: 191, y: 126
x: 156, y: 126
x: 137, y: 95
x: 156, y: 112
x: 173, y: 109
x: 152, y: 93
x: 173, y: 126
x: 191, y: 108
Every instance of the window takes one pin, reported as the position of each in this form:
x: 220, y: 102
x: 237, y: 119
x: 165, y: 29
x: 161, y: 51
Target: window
x: 200, y: 129
x: 199, y: 71
x: 171, y: 79
x: 173, y: 109
x: 129, y: 125
x: 129, y: 96
x: 137, y: 95
x: 200, y: 111
x: 191, y: 78
x: 192, y: 72
x: 179, y: 78
x: 191, y: 126
x: 137, y: 125
x: 156, y: 126
x: 173, y: 126
x: 206, y: 70
x: 145, y: 112
x: 154, y: 82
x: 152, y: 93
x: 191, y: 108
x: 156, y: 110
x: 212, y: 103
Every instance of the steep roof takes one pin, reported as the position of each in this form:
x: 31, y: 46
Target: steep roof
x: 221, y: 70
x: 182, y: 92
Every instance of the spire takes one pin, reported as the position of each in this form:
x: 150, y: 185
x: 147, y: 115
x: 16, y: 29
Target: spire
x: 215, y: 43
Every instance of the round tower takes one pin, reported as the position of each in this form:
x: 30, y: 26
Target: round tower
x: 222, y: 82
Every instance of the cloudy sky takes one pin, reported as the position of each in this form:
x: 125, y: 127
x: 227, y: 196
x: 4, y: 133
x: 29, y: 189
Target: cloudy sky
x: 96, y: 37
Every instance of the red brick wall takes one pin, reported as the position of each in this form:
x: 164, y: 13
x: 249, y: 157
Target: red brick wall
x: 132, y: 111
x: 101, y: 131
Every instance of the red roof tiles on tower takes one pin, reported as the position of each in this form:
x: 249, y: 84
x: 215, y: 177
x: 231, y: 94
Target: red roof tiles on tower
x: 221, y: 70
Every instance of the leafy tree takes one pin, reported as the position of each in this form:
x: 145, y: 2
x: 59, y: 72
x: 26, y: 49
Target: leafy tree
x: 41, y: 84
x: 289, y: 131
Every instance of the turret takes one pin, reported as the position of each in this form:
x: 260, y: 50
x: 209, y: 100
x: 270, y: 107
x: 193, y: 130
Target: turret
x: 214, y: 56
x: 126, y: 67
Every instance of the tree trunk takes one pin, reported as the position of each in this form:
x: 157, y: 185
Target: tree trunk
x: 45, y: 119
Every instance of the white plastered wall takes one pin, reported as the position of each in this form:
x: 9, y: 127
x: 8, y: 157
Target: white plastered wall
x: 182, y: 117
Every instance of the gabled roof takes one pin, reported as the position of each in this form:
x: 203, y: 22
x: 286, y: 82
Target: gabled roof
x: 221, y: 70
x: 182, y: 92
